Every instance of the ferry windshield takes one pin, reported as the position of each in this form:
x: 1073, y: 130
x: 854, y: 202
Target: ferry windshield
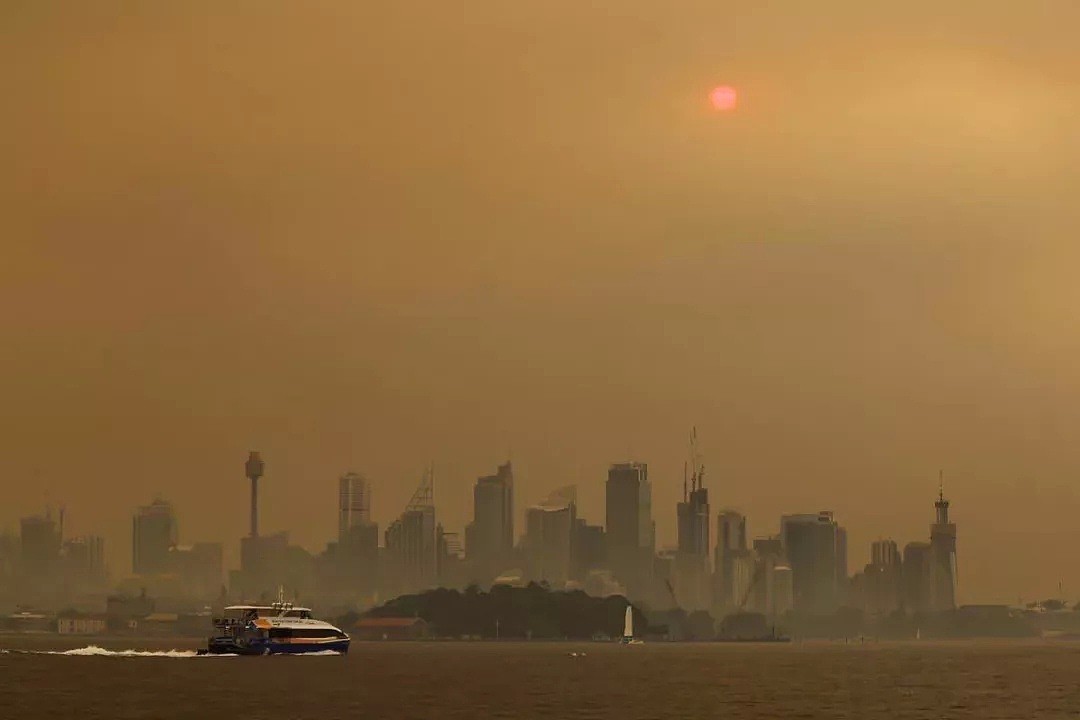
x: 298, y: 613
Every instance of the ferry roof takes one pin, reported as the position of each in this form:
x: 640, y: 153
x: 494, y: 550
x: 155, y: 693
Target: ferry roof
x: 265, y: 607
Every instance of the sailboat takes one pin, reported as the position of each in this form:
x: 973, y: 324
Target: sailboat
x: 628, y: 628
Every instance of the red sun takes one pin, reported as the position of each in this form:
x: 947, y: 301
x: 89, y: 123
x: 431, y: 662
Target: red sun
x: 724, y: 98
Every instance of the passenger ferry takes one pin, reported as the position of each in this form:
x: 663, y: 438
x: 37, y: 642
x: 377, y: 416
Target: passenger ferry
x: 273, y: 629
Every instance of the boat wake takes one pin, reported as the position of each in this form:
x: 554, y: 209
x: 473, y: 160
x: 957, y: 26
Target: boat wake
x: 318, y: 653
x: 95, y: 651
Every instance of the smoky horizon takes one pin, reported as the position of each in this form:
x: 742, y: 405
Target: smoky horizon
x: 835, y: 238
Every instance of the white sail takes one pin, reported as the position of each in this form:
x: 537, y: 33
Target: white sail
x: 628, y: 627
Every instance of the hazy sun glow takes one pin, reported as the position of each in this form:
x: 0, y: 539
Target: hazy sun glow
x: 724, y: 98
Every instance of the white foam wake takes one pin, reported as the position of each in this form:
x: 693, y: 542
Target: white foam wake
x: 317, y: 653
x: 95, y: 650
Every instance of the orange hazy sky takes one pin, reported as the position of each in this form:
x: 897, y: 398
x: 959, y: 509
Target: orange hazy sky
x: 372, y: 235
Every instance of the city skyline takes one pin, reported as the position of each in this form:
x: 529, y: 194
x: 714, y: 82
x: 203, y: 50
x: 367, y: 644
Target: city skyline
x: 800, y: 574
x: 693, y: 587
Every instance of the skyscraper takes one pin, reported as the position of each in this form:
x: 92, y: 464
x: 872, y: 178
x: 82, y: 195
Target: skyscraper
x: 40, y: 546
x: 489, y: 538
x: 354, y: 502
x: 942, y: 557
x: 549, y: 537
x: 630, y: 531
x: 916, y: 569
x: 153, y: 533
x: 730, y: 543
x: 355, y: 556
x: 692, y: 556
x: 811, y: 545
x: 411, y: 543
x: 84, y: 560
x: 883, y: 579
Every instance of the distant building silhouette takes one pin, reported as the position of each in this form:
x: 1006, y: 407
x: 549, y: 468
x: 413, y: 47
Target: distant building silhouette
x: 942, y: 557
x: 354, y: 503
x: 411, y: 543
x: 489, y: 538
x: 916, y: 571
x: 199, y: 567
x: 730, y: 544
x: 83, y: 560
x: 630, y: 529
x: 811, y: 546
x: 882, y: 582
x: 40, y: 541
x: 153, y: 534
x: 692, y: 572
x: 549, y: 537
x: 253, y: 469
x: 770, y: 583
x: 590, y: 549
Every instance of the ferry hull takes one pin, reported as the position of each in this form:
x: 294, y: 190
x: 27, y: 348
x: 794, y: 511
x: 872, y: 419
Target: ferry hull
x: 227, y: 646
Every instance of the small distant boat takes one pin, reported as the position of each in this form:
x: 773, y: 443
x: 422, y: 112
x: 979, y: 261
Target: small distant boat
x: 628, y: 628
x: 273, y: 629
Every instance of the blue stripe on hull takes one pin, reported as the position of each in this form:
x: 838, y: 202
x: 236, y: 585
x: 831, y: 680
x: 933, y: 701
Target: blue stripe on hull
x: 338, y: 646
x: 272, y: 648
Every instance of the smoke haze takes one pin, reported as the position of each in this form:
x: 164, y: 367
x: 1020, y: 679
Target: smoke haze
x: 372, y: 235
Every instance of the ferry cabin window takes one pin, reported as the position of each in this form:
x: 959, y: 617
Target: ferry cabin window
x: 306, y: 614
x: 281, y: 633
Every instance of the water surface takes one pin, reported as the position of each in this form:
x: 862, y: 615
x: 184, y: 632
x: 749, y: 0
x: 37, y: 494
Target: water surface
x: 545, y: 680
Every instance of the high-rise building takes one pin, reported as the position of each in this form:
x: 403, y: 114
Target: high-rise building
x: 411, y: 543
x: 450, y: 559
x: 692, y: 577
x: 630, y: 529
x: 264, y: 560
x: 811, y: 546
x: 200, y: 568
x: 942, y: 558
x: 769, y: 559
x: 730, y: 543
x: 489, y: 538
x: 354, y: 502
x: 39, y: 538
x: 357, y: 552
x: 153, y: 533
x: 916, y: 570
x: 589, y: 549
x: 549, y: 537
x: 782, y: 597
x: 841, y: 564
x: 883, y: 579
x: 84, y: 561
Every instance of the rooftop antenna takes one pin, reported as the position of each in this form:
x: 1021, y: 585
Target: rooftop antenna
x: 684, y: 481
